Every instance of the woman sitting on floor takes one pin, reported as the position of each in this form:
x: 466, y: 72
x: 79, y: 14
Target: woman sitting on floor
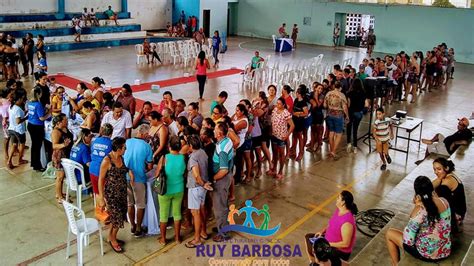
x: 340, y: 231
x: 427, y: 235
x: 447, y: 185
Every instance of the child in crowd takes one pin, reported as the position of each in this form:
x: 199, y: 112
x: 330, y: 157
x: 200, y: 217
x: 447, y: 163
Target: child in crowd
x: 383, y: 132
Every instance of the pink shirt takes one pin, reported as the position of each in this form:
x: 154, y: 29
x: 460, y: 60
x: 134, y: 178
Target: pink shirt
x: 333, y: 231
x: 201, y: 70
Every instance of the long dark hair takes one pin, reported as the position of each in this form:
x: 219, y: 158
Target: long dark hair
x: 201, y: 57
x: 448, y: 165
x: 424, y: 189
x: 348, y: 199
x: 357, y: 85
x: 98, y: 80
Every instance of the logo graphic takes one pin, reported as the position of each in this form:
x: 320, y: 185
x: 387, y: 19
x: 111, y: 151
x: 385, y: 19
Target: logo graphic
x: 249, y: 226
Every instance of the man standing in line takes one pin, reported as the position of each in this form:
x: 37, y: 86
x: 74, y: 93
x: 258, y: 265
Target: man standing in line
x: 138, y: 158
x: 371, y: 40
x: 223, y: 161
x: 335, y: 35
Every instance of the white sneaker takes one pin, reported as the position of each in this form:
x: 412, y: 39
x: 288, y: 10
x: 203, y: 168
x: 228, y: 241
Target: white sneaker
x: 349, y: 148
x: 355, y: 150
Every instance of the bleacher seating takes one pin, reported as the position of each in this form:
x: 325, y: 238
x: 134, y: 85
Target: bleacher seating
x: 399, y: 201
x: 59, y: 34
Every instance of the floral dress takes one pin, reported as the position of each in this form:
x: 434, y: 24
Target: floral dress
x: 115, y: 193
x: 432, y: 241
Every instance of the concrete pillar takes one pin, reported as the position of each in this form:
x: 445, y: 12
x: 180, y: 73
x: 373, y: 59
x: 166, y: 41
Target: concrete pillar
x: 61, y: 7
x: 124, y: 5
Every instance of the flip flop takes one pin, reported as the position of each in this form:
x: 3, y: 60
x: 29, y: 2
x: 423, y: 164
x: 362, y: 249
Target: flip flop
x: 205, y: 238
x: 190, y: 244
x: 119, y: 250
x: 23, y: 162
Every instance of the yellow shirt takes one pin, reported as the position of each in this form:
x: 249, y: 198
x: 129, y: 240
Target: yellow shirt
x: 56, y: 103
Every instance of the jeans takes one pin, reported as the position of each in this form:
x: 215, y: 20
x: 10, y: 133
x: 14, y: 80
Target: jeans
x: 353, y: 127
x: 215, y: 54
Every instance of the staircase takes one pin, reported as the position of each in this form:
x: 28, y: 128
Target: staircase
x: 59, y: 34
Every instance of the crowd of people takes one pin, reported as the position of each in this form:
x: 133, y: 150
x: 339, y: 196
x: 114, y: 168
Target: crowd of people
x: 80, y: 21
x: 183, y: 28
x: 14, y: 54
x: 210, y: 152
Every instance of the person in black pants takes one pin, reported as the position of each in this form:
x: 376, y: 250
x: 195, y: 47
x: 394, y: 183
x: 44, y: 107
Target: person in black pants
x: 357, y: 102
x: 36, y: 116
x: 202, y: 65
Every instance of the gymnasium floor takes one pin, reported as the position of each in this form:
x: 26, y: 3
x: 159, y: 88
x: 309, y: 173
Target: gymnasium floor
x: 33, y: 226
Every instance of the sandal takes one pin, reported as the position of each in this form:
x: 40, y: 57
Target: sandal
x: 190, y: 244
x: 279, y: 177
x: 23, y: 161
x: 270, y: 172
x: 204, y: 238
x: 117, y: 249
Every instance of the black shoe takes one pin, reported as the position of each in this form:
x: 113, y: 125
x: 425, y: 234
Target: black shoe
x: 389, y: 160
x: 139, y: 234
x: 418, y: 162
x: 383, y: 167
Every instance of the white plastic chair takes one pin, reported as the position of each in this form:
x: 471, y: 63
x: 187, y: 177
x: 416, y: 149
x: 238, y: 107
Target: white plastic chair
x: 82, y: 228
x: 70, y: 168
x: 274, y: 41
x: 140, y: 54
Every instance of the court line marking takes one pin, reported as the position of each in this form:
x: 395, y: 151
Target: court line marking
x: 26, y: 193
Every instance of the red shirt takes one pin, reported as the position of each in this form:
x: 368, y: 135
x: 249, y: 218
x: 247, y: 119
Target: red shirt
x: 289, y: 103
x: 193, y: 22
x: 163, y: 106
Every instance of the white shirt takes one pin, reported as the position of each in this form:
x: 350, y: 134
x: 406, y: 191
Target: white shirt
x: 368, y: 70
x: 120, y: 125
x: 14, y: 113
x: 173, y: 129
x: 390, y: 70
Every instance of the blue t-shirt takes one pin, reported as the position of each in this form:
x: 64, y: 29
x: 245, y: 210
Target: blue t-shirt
x: 81, y: 154
x: 216, y: 41
x: 35, y: 111
x: 100, y: 148
x: 42, y: 62
x: 137, y: 154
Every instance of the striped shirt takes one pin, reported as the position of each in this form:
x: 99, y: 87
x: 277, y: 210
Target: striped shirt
x: 224, y: 155
x: 382, y: 129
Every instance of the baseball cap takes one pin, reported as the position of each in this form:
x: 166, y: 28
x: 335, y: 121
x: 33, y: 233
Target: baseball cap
x: 464, y: 121
x: 361, y: 66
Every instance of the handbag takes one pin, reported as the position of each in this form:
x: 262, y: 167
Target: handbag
x: 159, y: 185
x: 101, y: 214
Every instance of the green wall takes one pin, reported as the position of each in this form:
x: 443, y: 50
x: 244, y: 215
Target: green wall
x: 407, y: 28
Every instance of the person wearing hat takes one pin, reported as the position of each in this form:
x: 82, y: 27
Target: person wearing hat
x: 447, y: 145
x: 361, y: 74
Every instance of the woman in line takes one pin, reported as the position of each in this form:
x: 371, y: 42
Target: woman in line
x: 448, y: 185
x: 260, y: 109
x: 6, y: 96
x: 143, y: 115
x: 98, y: 88
x: 158, y: 136
x: 336, y: 105
x: 62, y: 139
x: 17, y: 128
x: 282, y: 127
x: 216, y: 41
x: 100, y: 148
x: 300, y: 112
x: 340, y: 231
x: 81, y: 153
x: 427, y: 235
x: 113, y: 190
x: 317, y: 127
x: 241, y: 125
x: 357, y: 101
x: 92, y: 120
x: 10, y: 60
x: 175, y: 167
x: 411, y: 85
x: 125, y: 96
x: 202, y: 65
x: 36, y: 117
x: 252, y: 131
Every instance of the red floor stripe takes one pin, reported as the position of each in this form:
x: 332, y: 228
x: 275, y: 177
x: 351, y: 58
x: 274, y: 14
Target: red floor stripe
x: 72, y: 82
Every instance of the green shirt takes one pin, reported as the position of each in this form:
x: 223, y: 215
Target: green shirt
x: 109, y: 12
x: 361, y: 76
x: 174, y: 169
x: 255, y: 61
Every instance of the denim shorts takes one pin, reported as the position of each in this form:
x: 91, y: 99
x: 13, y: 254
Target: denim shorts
x: 335, y: 123
x: 308, y: 121
x: 278, y: 142
x: 247, y: 146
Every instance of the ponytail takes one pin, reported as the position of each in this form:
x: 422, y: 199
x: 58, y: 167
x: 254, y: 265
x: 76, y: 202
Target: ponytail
x: 348, y: 199
x: 424, y: 189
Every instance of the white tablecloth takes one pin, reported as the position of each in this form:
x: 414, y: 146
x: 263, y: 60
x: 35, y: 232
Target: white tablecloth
x: 74, y: 125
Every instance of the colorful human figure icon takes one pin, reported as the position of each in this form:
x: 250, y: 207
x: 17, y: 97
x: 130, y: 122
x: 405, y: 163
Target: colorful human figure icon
x: 232, y: 211
x: 266, y: 217
x: 248, y: 209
